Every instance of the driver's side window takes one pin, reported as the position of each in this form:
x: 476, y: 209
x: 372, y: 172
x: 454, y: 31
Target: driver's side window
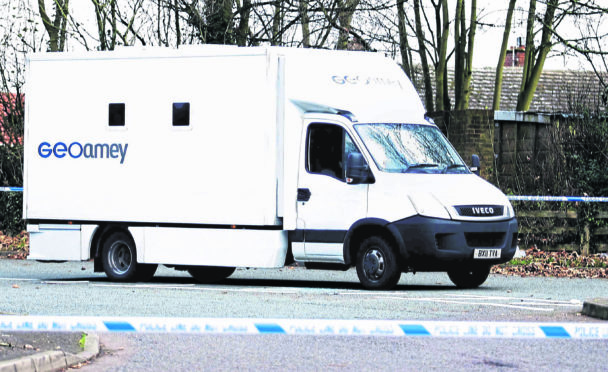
x: 327, y: 149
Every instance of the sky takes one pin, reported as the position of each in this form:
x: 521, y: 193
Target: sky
x: 491, y: 15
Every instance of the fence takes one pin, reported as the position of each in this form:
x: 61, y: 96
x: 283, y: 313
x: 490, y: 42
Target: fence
x: 549, y: 229
x: 563, y: 223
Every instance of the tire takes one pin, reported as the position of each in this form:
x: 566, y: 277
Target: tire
x: 119, y: 259
x: 469, y: 277
x: 377, y: 264
x: 210, y: 274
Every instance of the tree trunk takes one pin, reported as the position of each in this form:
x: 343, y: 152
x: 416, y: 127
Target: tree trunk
x: 101, y: 25
x: 219, y: 19
x: 305, y: 23
x: 403, y: 43
x: 426, y: 75
x: 440, y: 69
x: 529, y: 53
x: 468, y: 70
x: 345, y: 16
x: 56, y: 29
x: 535, y: 66
x: 502, y: 56
x: 459, y: 19
x: 276, y: 24
x: 178, y: 32
x: 243, y: 30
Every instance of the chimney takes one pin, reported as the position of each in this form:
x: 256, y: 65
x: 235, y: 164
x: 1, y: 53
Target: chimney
x: 515, y: 57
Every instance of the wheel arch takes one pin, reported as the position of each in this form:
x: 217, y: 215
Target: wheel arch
x: 367, y: 227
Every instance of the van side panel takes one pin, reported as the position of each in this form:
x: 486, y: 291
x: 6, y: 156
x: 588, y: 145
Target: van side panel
x: 213, y: 247
x: 219, y: 169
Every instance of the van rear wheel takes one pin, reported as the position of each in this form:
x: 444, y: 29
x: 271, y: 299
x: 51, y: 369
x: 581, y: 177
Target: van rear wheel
x: 119, y: 259
x: 377, y: 264
x: 210, y: 274
x: 469, y: 277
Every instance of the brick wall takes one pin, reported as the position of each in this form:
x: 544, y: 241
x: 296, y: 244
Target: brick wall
x: 512, y: 146
x: 471, y: 132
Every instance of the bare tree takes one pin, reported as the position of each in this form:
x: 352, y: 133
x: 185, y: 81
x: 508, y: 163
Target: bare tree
x: 305, y: 21
x: 103, y: 17
x: 428, y: 89
x: 443, y: 33
x: 406, y: 56
x: 463, y: 47
x: 55, y: 27
x: 502, y: 56
x: 535, y: 56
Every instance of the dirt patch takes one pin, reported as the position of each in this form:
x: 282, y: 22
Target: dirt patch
x: 15, y: 247
x: 556, y: 264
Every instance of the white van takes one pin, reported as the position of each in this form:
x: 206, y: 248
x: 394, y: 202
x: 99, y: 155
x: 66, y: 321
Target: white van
x: 210, y: 158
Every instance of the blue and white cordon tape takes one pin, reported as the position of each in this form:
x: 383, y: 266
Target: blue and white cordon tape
x: 584, y: 199
x: 11, y: 189
x: 306, y: 327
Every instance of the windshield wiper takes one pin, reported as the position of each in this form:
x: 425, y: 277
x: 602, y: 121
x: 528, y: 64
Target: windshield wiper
x: 421, y: 165
x: 453, y: 166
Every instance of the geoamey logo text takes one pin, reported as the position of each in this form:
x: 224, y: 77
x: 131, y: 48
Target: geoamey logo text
x: 365, y: 80
x: 77, y: 150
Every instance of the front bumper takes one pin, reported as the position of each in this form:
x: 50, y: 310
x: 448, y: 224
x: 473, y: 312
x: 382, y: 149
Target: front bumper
x: 432, y: 244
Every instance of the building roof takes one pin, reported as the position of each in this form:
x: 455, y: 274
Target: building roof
x: 7, y: 105
x: 557, y: 91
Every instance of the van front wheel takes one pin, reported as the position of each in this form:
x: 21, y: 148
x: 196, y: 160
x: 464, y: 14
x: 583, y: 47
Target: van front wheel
x: 469, y: 277
x: 377, y: 266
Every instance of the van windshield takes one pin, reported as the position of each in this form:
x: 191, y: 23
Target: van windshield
x: 410, y: 148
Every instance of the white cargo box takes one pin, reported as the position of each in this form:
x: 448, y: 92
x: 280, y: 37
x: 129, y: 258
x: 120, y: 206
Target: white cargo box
x: 218, y: 169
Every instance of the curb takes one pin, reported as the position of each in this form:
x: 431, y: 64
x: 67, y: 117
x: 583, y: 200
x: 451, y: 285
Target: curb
x: 596, y: 308
x: 50, y: 361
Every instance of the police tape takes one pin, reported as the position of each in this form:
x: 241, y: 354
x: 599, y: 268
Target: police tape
x: 11, y: 189
x: 318, y: 327
x: 583, y: 199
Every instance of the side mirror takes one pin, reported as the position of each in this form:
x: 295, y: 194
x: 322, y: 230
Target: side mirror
x: 476, y: 165
x: 357, y: 170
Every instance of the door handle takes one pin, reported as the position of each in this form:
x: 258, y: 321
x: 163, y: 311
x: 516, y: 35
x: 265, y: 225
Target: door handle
x: 304, y: 195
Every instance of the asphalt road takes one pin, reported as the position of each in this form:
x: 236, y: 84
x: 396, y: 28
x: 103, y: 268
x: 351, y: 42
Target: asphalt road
x: 32, y: 288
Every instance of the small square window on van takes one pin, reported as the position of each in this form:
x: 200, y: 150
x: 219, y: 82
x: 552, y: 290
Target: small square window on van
x: 116, y: 114
x: 181, y: 113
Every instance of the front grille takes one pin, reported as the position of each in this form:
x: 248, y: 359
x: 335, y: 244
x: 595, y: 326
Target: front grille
x: 484, y: 239
x: 480, y: 210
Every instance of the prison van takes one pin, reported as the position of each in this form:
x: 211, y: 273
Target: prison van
x: 213, y: 158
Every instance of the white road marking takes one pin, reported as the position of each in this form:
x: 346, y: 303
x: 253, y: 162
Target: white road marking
x: 192, y: 287
x: 491, y: 304
x: 573, y: 302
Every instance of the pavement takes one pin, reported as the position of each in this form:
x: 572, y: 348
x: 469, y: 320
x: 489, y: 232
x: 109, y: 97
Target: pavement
x: 45, y: 351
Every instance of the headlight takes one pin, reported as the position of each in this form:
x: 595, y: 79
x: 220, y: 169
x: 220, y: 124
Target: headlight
x: 510, y: 210
x: 427, y: 205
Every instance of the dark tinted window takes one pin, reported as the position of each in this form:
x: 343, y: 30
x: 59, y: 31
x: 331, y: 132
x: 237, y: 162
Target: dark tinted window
x: 116, y: 115
x: 328, y: 149
x: 181, y: 114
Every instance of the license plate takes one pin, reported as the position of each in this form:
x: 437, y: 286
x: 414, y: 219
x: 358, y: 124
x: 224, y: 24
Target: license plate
x: 486, y: 253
